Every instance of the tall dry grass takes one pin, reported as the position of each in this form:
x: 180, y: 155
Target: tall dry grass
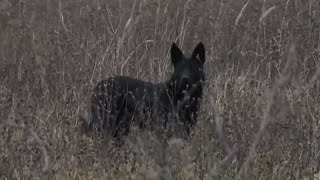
x: 259, y: 116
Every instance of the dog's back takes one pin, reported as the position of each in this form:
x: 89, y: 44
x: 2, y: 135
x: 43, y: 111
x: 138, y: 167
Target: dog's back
x: 118, y: 101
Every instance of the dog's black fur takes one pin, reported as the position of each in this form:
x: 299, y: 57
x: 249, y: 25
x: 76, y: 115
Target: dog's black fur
x: 119, y: 101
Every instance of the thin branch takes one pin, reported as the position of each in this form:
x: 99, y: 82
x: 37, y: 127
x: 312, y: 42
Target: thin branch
x: 241, y: 12
x: 41, y: 144
x: 43, y: 148
x: 231, y: 151
x: 267, y: 113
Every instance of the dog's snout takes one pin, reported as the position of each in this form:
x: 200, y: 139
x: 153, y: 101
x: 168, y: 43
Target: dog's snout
x: 186, y: 82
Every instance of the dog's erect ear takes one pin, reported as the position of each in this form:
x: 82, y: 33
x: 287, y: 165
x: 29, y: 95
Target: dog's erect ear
x: 199, y: 50
x: 176, y: 54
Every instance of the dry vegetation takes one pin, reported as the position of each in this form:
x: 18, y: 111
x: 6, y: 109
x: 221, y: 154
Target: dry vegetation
x: 259, y: 116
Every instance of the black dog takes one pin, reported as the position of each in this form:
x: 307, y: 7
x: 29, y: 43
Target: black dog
x: 119, y: 101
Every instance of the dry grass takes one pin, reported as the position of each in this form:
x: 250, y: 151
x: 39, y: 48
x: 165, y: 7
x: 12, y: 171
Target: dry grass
x: 259, y: 117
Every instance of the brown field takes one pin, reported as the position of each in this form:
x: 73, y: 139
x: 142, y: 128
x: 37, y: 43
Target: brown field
x: 260, y: 115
